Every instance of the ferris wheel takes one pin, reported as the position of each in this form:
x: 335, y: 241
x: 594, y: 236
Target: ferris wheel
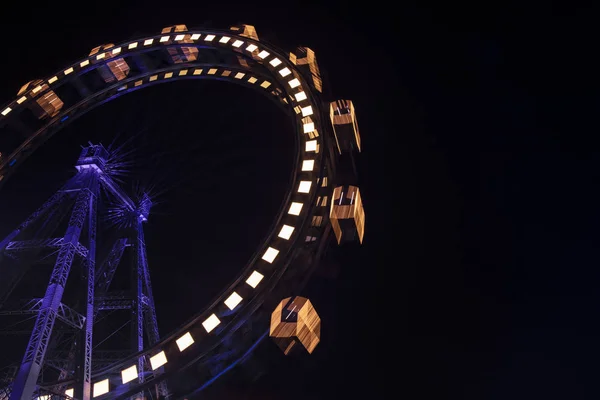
x: 263, y: 301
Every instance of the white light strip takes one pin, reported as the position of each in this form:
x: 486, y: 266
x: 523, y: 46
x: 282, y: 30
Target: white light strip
x: 179, y: 37
x: 286, y: 232
x: 84, y: 63
x: 254, y: 279
x: 224, y: 39
x: 164, y: 39
x: 21, y: 100
x: 237, y: 43
x: 285, y: 72
x: 295, y: 209
x: 6, y: 110
x: 270, y: 255
x: 53, y: 79
x: 311, y: 145
x: 304, y: 187
x: 275, y: 62
x: 132, y: 45
x: 308, y: 165
x: 233, y: 300
x: 68, y: 70
x: 185, y: 341
x: 300, y: 96
x: 101, y: 388
x: 116, y: 51
x: 309, y: 127
x: 211, y: 323
x: 158, y: 360
x: 251, y: 47
x: 264, y: 54
x: 294, y: 83
x: 195, y: 36
x: 209, y: 38
x: 306, y: 111
x: 129, y: 374
x: 100, y: 56
x: 148, y: 42
x: 239, y: 75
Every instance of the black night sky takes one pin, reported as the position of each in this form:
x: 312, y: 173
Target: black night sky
x: 478, y: 277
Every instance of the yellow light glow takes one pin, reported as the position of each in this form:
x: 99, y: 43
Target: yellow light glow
x: 116, y: 50
x: 197, y: 71
x: 209, y: 38
x: 164, y: 39
x: 226, y: 73
x: 148, y: 42
x: 275, y: 62
x: 311, y: 145
x: 294, y: 83
x: 233, y: 300
x: 238, y: 43
x: 304, y: 187
x: 211, y: 323
x: 306, y: 111
x: 285, y: 72
x: 252, y: 79
x: 195, y: 36
x: 179, y: 37
x: 263, y: 54
x: 84, y: 63
x: 251, y: 47
x: 270, y: 255
x: 138, y: 83
x: 254, y: 279
x: 101, y: 388
x: 6, y: 110
x: 168, y: 75
x: 22, y: 99
x: 300, y: 96
x: 286, y: 232
x: 308, y: 165
x: 153, y: 78
x: 158, y: 360
x: 53, y: 79
x: 309, y: 127
x: 183, y: 72
x: 69, y: 392
x: 100, y: 56
x: 212, y: 71
x: 129, y: 374
x: 239, y: 75
x: 295, y: 209
x: 37, y: 89
x: 132, y: 45
x: 68, y: 70
x: 265, y: 84
x: 185, y: 341
x: 224, y: 39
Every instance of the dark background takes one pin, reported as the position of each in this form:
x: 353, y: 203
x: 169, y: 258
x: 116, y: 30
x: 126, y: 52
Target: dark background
x: 478, y: 276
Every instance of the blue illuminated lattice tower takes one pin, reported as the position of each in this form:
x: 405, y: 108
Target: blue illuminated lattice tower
x: 75, y: 303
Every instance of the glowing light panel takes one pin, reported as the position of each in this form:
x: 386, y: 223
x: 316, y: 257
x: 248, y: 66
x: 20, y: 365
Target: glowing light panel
x: 300, y: 96
x: 294, y: 83
x: 295, y: 209
x: 209, y: 38
x: 251, y: 47
x: 237, y: 43
x: 233, y: 300
x: 101, y: 388
x: 286, y: 232
x: 306, y: 111
x: 304, y: 186
x: 211, y: 323
x: 254, y: 279
x: 270, y: 255
x: 308, y: 165
x: 275, y: 62
x: 185, y: 341
x: 263, y: 54
x: 285, y: 72
x: 311, y: 145
x: 129, y: 374
x: 158, y: 360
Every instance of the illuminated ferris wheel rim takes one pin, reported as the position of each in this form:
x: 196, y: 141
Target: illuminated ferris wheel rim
x: 269, y: 72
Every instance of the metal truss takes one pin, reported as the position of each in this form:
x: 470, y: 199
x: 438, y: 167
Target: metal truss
x: 32, y: 306
x: 25, y: 245
x: 107, y: 270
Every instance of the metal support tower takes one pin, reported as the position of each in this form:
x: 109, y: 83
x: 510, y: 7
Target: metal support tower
x: 77, y: 247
